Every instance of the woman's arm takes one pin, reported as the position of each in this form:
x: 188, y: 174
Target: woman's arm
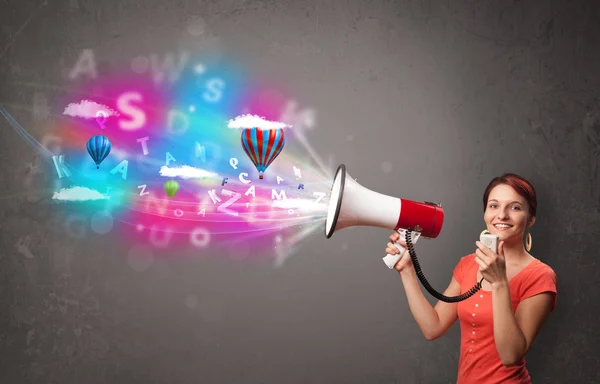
x: 514, y: 332
x: 433, y: 322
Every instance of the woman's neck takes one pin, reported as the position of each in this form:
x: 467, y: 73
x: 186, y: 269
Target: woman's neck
x: 514, y: 252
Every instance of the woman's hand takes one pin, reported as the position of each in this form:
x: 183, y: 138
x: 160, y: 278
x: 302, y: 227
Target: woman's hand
x: 491, y: 265
x: 405, y: 263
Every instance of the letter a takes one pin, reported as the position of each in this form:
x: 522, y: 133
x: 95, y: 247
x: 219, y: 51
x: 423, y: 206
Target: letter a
x: 251, y: 191
x: 121, y: 168
x: 169, y: 159
x: 85, y: 64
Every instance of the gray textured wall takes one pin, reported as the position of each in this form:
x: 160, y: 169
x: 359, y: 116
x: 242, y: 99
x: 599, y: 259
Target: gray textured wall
x: 426, y: 100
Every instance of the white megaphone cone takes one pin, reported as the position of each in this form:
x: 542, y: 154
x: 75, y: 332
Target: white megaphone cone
x: 351, y: 204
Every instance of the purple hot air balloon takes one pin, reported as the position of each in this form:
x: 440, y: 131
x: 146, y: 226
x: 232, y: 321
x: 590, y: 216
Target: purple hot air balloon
x: 262, y: 146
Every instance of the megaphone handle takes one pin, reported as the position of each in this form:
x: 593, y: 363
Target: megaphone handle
x: 391, y: 260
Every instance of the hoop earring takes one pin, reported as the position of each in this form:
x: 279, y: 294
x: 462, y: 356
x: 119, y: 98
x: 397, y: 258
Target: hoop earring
x: 528, y: 242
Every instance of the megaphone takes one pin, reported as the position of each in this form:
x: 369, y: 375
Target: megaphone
x: 351, y: 204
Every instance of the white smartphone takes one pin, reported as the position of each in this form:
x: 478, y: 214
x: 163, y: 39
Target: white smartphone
x: 491, y: 241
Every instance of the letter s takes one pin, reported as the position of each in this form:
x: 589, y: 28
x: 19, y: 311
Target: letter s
x: 138, y: 116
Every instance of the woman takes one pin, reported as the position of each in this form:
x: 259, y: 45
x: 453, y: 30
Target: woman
x: 499, y: 323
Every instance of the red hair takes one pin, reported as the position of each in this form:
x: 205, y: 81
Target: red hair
x: 519, y: 184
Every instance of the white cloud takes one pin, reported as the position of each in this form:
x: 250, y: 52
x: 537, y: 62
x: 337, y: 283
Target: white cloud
x: 186, y: 172
x: 89, y: 110
x: 254, y: 121
x: 79, y: 194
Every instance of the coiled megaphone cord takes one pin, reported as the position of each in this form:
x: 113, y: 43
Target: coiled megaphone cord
x: 428, y: 287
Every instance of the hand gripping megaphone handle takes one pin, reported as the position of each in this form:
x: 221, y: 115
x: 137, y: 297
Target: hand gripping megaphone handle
x: 391, y: 260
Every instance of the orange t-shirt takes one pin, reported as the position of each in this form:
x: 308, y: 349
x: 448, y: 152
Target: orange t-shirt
x: 479, y: 360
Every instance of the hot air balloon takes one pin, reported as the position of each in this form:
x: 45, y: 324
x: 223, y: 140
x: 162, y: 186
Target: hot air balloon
x: 262, y: 146
x: 98, y: 147
x: 171, y: 187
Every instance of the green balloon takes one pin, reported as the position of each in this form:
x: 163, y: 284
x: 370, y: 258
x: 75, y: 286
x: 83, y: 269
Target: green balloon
x: 171, y: 187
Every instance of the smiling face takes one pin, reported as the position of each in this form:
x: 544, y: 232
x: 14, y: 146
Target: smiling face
x: 507, y: 214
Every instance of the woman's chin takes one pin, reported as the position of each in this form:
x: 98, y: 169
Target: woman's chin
x: 509, y: 238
